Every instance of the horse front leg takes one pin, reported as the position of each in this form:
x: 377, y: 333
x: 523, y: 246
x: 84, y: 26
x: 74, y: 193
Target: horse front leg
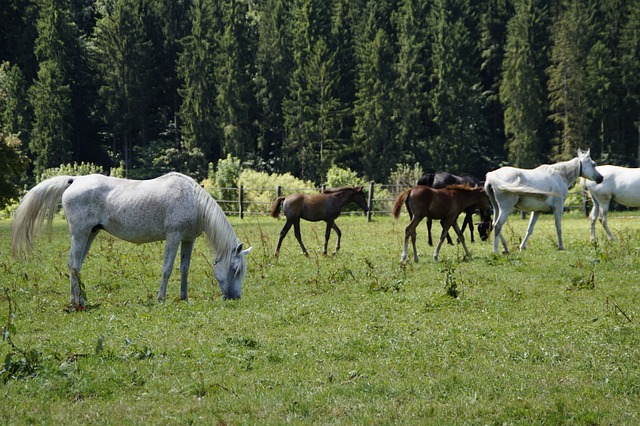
x: 468, y: 221
x: 283, y: 233
x: 593, y: 217
x: 429, y: 222
x: 532, y: 223
x: 339, y: 234
x: 170, y: 252
x: 461, y: 238
x: 186, y: 249
x: 558, y: 217
x: 327, y: 234
x: 604, y: 209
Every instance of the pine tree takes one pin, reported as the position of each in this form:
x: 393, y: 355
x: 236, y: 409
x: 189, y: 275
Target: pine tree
x: 51, y: 94
x: 124, y: 58
x: 273, y: 70
x: 494, y: 15
x: 630, y: 70
x: 309, y: 28
x: 374, y: 131
x: 456, y: 99
x: 412, y: 103
x: 568, y: 86
x: 198, y: 73
x: 522, y: 91
x: 235, y: 100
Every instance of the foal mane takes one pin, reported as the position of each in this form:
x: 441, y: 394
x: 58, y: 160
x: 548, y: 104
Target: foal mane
x: 340, y: 189
x: 465, y: 187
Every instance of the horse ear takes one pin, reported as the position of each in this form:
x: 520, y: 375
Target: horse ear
x: 239, y: 250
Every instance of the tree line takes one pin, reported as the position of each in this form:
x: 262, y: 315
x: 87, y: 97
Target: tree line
x: 301, y: 85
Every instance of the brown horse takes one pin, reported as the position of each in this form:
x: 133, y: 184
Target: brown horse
x: 315, y: 207
x: 444, y: 204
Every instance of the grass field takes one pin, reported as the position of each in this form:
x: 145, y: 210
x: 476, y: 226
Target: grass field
x: 539, y: 337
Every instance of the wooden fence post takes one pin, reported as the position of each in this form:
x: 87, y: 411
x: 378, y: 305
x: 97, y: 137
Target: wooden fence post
x: 278, y: 191
x: 370, y: 202
x: 240, y: 202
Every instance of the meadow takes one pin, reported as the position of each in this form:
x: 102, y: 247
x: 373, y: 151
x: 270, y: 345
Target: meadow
x: 538, y: 337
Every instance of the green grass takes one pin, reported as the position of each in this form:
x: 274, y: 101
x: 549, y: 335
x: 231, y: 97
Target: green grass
x: 539, y: 337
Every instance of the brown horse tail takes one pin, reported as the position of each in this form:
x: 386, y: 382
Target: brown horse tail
x: 275, y: 208
x: 397, y: 206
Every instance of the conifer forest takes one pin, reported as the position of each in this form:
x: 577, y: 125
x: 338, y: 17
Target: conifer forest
x: 301, y: 85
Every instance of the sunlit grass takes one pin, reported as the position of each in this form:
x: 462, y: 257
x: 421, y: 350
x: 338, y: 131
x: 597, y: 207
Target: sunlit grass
x: 536, y: 337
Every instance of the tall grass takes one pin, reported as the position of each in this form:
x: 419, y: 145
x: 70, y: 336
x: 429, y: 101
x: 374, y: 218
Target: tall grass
x: 539, y: 337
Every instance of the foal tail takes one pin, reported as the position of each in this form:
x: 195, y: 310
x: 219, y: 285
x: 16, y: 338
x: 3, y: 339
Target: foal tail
x: 275, y: 208
x: 40, y: 202
x: 397, y: 206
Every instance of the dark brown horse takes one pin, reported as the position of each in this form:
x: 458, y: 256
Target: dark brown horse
x: 443, y: 204
x: 315, y: 207
x: 442, y: 179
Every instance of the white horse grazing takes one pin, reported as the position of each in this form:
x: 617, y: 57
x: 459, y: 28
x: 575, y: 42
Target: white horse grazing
x: 542, y: 189
x: 172, y: 207
x: 621, y: 185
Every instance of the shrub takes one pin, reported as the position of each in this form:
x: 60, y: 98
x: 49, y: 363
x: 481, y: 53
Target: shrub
x: 337, y: 176
x: 72, y: 169
x: 260, y: 188
x: 406, y: 176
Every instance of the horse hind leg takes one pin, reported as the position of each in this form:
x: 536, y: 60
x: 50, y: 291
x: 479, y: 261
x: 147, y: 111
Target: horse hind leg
x: 186, y: 249
x: 296, y: 231
x: 283, y: 233
x: 429, y: 223
x: 80, y: 244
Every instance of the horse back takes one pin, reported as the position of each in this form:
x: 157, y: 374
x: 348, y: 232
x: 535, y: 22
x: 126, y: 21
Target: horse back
x: 137, y: 211
x: 620, y: 184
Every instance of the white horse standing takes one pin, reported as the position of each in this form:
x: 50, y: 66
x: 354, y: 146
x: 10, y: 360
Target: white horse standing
x: 538, y: 190
x: 621, y: 185
x: 172, y: 207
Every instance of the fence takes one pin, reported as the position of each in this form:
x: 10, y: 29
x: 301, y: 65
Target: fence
x: 242, y: 201
x: 257, y: 201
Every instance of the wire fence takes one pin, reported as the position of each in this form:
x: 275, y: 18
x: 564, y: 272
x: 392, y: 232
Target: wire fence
x: 243, y: 201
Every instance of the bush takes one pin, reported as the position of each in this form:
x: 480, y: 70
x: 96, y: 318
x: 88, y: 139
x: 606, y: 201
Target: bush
x: 72, y: 169
x: 260, y: 188
x: 223, y: 181
x: 406, y: 176
x: 337, y: 176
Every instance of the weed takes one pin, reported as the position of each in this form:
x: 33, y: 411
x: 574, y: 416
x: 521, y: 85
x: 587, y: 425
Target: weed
x: 450, y: 281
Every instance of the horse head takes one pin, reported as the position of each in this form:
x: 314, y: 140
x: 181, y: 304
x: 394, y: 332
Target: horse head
x: 230, y: 271
x: 359, y: 198
x: 588, y: 167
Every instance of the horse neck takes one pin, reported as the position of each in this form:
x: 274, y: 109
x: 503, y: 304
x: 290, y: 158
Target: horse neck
x: 215, y: 224
x: 344, y: 196
x: 569, y: 170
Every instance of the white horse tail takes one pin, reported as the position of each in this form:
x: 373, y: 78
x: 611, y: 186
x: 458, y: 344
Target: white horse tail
x: 40, y: 202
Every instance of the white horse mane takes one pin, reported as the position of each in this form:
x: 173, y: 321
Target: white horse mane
x: 222, y: 239
x: 569, y: 170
